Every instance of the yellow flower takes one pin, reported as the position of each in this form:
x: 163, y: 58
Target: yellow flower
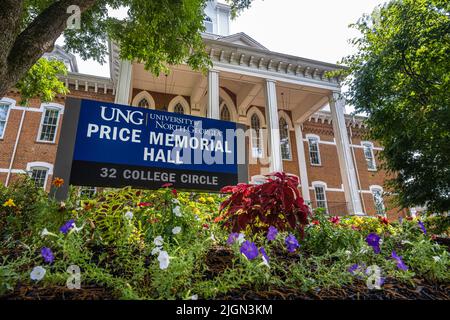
x: 196, y: 211
x: 379, y: 230
x: 10, y: 203
x: 202, y: 200
x: 210, y: 199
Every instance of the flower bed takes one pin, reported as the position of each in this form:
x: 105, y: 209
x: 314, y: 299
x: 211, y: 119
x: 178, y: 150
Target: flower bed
x: 259, y: 242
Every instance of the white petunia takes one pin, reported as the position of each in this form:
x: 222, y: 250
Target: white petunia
x: 194, y: 297
x: 436, y: 258
x: 265, y: 262
x: 240, y: 239
x: 212, y: 237
x: 38, y: 273
x: 163, y: 259
x: 175, y: 201
x: 177, y: 211
x: 348, y: 252
x: 158, y: 241
x: 156, y: 250
x: 129, y: 215
x: 77, y: 229
x: 176, y: 230
x: 45, y: 232
x: 197, y: 218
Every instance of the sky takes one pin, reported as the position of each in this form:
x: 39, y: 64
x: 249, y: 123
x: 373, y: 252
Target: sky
x: 315, y: 29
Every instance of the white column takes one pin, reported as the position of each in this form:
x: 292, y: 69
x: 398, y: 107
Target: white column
x: 123, y: 91
x: 302, y: 163
x: 273, y: 128
x: 213, y: 94
x: 348, y: 171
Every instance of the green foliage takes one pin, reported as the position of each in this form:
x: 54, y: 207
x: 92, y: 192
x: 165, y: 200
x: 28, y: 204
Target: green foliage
x: 400, y: 77
x: 42, y: 81
x: 116, y: 251
x: 16, y: 221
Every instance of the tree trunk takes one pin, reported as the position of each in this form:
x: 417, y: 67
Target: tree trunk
x: 19, y: 50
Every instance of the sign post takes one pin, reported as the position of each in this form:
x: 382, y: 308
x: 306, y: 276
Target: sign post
x: 110, y: 145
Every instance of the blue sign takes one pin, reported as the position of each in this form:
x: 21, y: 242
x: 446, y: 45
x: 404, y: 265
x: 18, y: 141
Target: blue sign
x: 118, y: 145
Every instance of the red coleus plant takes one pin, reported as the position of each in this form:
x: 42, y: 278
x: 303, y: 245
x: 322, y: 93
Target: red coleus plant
x: 276, y: 202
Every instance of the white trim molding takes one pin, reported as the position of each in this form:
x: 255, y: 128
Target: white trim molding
x: 144, y: 95
x: 181, y: 100
x: 258, y: 112
x: 49, y: 106
x: 39, y: 164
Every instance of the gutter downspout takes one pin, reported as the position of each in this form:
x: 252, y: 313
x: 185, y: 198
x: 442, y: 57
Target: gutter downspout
x: 357, y: 172
x: 13, y: 156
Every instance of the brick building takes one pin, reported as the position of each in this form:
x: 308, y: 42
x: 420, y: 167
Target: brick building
x: 281, y: 98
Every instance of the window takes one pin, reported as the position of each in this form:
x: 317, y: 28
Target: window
x: 314, y: 153
x: 88, y: 192
x: 49, y: 124
x: 284, y: 140
x: 208, y: 24
x: 377, y: 194
x: 321, y: 198
x: 368, y: 154
x: 178, y: 108
x: 225, y: 113
x: 256, y: 133
x: 4, y: 111
x: 143, y: 103
x: 39, y: 176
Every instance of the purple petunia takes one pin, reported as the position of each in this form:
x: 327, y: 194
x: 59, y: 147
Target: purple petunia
x: 400, y: 264
x: 67, y: 226
x: 232, y: 238
x: 47, y: 254
x: 272, y: 233
x: 249, y: 249
x: 353, y: 268
x: 373, y: 240
x: 422, y: 227
x: 291, y: 243
x: 264, y: 254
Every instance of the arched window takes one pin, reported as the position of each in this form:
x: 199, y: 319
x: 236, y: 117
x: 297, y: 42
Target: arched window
x: 284, y: 140
x: 256, y: 135
x: 208, y: 24
x: 143, y: 103
x: 178, y: 108
x: 225, y: 113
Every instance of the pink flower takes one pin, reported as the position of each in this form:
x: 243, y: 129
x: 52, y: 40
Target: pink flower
x: 335, y: 220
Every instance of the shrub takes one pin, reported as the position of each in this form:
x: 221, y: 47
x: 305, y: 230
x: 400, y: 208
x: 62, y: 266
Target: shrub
x: 254, y: 208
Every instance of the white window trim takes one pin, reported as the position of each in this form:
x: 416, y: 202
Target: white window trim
x: 285, y: 116
x: 44, y: 108
x: 230, y: 104
x: 253, y: 132
x: 11, y: 104
x: 363, y: 143
x: 141, y: 95
x: 182, y: 101
x: 314, y: 136
x: 324, y: 186
x: 40, y: 165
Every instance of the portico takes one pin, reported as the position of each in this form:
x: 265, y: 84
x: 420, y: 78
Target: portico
x: 251, y: 85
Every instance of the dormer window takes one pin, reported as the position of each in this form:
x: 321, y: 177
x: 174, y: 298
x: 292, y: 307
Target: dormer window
x: 208, y: 24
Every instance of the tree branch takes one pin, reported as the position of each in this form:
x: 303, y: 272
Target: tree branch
x: 38, y: 38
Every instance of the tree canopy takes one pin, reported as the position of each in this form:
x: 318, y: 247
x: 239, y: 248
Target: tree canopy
x: 155, y: 32
x: 400, y: 77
